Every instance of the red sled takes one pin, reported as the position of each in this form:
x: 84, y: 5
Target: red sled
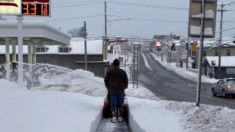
x: 107, y: 110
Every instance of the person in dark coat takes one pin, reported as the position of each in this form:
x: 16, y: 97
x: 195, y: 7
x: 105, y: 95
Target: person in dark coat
x: 116, y: 81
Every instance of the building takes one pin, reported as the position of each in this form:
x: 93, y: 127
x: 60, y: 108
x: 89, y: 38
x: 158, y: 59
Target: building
x: 227, y: 67
x: 70, y: 56
x: 164, y: 37
x: 33, y: 34
x: 208, y: 51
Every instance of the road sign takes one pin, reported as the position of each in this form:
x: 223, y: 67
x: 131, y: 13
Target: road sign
x: 10, y: 7
x: 36, y: 8
x: 195, y: 15
x: 194, y: 47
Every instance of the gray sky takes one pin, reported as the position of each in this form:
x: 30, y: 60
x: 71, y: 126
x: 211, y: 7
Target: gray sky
x: 126, y: 28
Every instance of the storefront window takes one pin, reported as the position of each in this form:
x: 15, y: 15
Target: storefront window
x: 230, y: 71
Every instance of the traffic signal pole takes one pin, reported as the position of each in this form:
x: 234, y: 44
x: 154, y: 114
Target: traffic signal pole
x: 200, y: 54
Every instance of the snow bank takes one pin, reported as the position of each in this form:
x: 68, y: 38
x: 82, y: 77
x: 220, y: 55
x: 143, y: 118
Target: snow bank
x: 39, y: 111
x: 146, y: 63
x: 84, y: 82
x: 206, y: 118
x: 150, y: 116
x: 183, y: 72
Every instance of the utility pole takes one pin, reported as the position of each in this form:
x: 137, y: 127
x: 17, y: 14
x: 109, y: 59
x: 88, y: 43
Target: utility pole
x: 200, y: 53
x: 137, y: 65
x: 134, y: 65
x: 85, y: 46
x: 187, y: 53
x: 220, y: 38
x: 105, y: 30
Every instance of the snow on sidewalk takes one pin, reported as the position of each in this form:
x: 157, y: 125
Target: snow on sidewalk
x: 146, y: 62
x: 182, y: 71
x: 151, y: 116
x: 47, y: 111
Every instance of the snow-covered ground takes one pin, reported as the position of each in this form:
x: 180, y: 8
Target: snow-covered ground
x: 46, y: 111
x: 79, y: 108
x: 182, y: 71
x: 146, y: 62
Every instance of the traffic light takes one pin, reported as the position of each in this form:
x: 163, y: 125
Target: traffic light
x: 173, y: 47
x: 186, y: 46
x: 195, y: 13
x: 139, y: 47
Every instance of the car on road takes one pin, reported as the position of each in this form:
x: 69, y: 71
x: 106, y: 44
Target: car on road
x: 224, y: 87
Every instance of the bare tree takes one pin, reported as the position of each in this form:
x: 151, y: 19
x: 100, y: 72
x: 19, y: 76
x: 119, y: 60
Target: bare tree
x: 77, y: 32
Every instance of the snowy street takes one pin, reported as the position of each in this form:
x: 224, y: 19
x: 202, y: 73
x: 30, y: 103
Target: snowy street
x: 166, y: 84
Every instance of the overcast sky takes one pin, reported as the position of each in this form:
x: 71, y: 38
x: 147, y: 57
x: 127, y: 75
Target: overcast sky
x: 126, y: 28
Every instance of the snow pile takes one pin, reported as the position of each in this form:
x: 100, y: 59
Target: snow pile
x: 146, y: 63
x: 39, y: 111
x: 84, y: 82
x: 140, y: 92
x: 183, y: 72
x: 206, y: 118
x: 151, y: 116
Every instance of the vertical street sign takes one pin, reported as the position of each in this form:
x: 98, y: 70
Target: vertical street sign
x: 195, y: 14
x: 202, y: 23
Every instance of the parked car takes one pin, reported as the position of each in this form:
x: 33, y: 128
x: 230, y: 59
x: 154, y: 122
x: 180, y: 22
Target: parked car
x: 224, y: 87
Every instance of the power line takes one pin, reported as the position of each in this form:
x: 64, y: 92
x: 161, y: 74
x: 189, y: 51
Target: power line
x: 135, y: 20
x: 150, y: 19
x: 75, y: 4
x: 110, y: 30
x: 80, y: 2
x: 75, y: 18
x: 146, y: 5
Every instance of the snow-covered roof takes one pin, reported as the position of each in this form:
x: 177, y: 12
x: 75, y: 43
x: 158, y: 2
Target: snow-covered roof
x: 137, y: 42
x: 34, y: 30
x: 226, y: 61
x: 93, y: 47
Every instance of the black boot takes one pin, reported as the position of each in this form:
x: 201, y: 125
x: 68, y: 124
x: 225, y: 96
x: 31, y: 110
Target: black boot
x: 120, y: 113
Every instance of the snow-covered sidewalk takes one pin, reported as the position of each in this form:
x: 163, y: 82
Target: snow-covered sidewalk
x: 146, y: 62
x: 182, y: 71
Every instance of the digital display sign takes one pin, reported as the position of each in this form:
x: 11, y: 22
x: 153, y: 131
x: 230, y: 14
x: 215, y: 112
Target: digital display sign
x: 35, y: 9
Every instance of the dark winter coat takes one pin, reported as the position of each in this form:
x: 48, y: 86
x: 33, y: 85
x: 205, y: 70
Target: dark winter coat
x: 116, y: 80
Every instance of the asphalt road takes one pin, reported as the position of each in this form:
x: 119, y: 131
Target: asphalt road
x: 168, y: 85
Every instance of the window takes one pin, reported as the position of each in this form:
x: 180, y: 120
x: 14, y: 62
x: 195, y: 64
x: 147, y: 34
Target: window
x: 228, y: 52
x: 230, y: 70
x: 216, y: 52
x: 64, y: 50
x: 38, y: 50
x: 231, y: 81
x: 221, y: 82
x: 41, y: 49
